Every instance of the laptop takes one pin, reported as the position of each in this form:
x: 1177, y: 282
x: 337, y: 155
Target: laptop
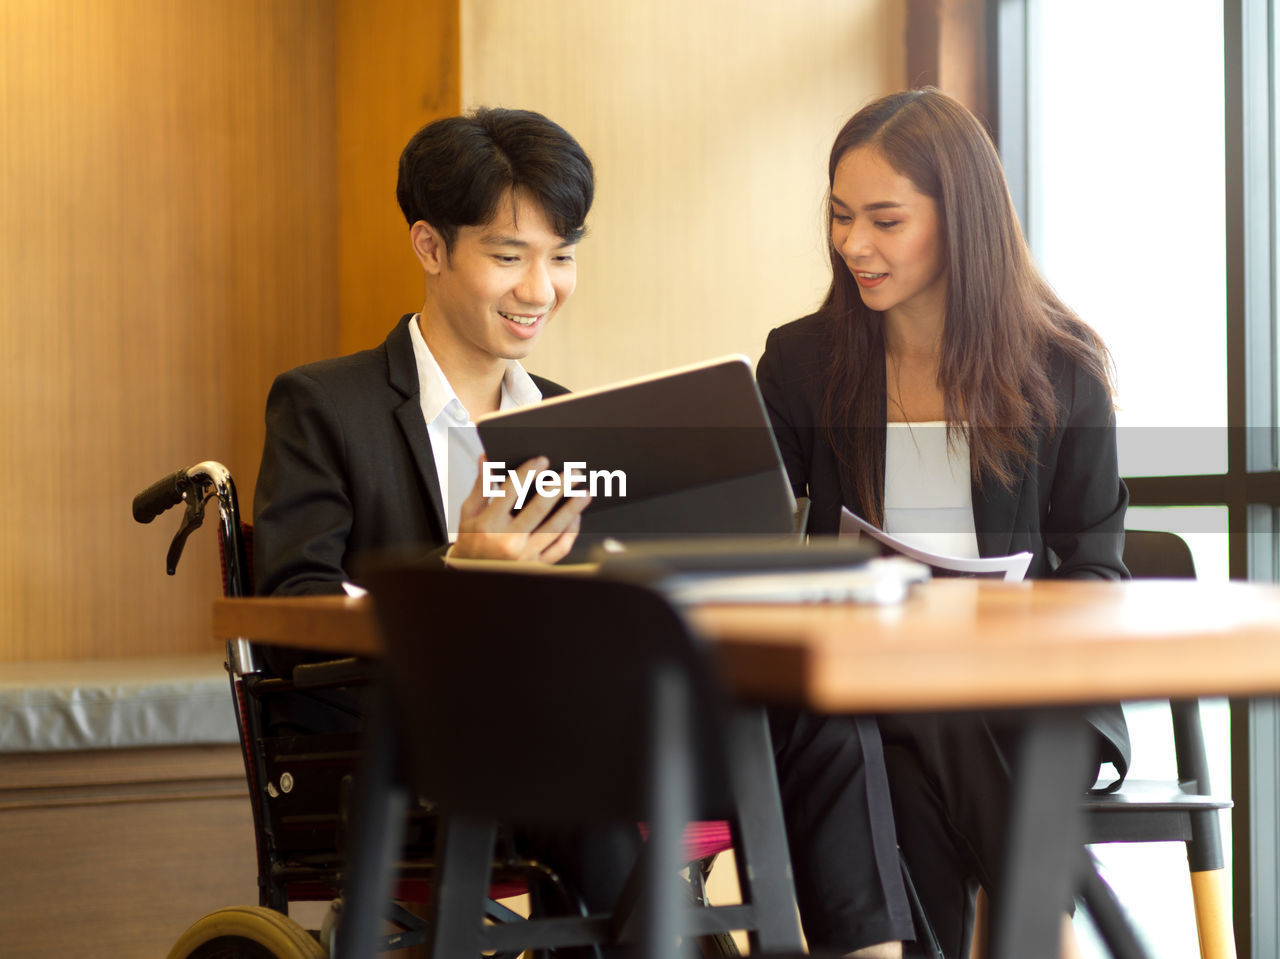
x: 684, y: 453
x: 823, y: 570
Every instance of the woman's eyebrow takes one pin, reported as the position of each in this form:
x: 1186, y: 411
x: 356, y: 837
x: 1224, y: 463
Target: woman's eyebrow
x: 870, y: 207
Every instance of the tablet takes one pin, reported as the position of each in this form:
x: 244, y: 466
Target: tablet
x: 686, y: 452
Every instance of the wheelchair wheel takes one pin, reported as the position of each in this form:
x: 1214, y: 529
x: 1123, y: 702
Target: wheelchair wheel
x: 247, y: 932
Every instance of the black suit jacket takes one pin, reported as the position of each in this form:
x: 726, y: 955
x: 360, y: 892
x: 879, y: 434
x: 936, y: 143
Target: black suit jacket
x: 1067, y: 509
x: 346, y: 468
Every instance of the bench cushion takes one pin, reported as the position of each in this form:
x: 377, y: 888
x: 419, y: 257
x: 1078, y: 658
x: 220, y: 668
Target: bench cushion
x: 115, y: 704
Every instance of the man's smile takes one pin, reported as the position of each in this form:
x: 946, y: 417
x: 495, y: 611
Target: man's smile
x: 522, y: 319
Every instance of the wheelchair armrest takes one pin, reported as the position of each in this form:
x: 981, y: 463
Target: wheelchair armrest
x: 349, y: 671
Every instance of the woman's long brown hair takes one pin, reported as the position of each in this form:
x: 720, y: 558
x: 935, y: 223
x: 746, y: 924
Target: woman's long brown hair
x: 1002, y: 319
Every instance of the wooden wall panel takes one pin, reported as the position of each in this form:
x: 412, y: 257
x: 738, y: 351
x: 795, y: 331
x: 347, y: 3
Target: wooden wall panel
x: 113, y: 853
x: 167, y: 244
x: 947, y: 48
x: 397, y: 70
x: 709, y: 124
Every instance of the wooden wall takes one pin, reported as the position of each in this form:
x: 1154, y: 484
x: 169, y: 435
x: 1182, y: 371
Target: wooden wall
x: 397, y: 69
x: 113, y: 853
x: 947, y: 47
x: 196, y: 197
x: 177, y: 225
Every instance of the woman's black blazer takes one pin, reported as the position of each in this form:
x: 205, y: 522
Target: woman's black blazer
x: 1067, y: 509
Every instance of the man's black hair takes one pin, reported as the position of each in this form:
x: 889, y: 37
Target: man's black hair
x: 454, y: 172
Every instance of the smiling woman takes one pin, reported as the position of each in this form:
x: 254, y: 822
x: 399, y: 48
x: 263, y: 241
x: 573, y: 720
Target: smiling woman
x: 937, y: 317
x: 889, y: 235
x: 949, y: 319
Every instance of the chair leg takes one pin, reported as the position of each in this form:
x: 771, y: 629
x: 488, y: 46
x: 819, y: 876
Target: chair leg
x: 1045, y: 836
x: 464, y: 852
x: 1208, y: 880
x: 377, y: 834
x: 1213, y: 918
x: 671, y: 776
x: 760, y: 839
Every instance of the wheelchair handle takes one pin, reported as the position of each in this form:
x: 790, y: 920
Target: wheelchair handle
x: 160, y: 496
x: 194, y: 486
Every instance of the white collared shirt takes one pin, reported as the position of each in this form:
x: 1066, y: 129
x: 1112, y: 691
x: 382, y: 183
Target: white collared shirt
x: 928, y: 490
x: 455, y: 442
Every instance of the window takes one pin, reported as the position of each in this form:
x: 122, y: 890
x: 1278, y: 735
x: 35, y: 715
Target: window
x: 1125, y: 210
x: 1139, y: 142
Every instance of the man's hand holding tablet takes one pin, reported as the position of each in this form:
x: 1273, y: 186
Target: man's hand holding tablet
x: 543, y: 529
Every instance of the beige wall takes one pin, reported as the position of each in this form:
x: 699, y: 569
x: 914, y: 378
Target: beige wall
x: 709, y: 125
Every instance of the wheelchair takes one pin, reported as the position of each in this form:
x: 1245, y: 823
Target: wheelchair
x: 301, y: 786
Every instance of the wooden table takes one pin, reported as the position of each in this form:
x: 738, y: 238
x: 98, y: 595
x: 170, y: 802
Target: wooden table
x: 954, y: 644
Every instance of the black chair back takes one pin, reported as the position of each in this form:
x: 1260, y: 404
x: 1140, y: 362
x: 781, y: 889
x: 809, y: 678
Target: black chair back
x: 540, y: 698
x: 1154, y: 554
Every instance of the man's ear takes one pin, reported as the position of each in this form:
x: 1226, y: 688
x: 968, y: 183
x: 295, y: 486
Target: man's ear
x: 430, y: 247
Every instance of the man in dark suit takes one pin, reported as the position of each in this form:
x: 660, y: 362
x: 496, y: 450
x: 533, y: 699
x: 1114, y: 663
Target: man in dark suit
x: 378, y: 449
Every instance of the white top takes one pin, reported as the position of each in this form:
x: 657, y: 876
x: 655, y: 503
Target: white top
x: 928, y: 494
x: 455, y: 442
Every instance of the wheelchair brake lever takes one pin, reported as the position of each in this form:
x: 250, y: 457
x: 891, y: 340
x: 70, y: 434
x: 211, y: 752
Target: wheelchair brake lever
x: 191, y: 521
